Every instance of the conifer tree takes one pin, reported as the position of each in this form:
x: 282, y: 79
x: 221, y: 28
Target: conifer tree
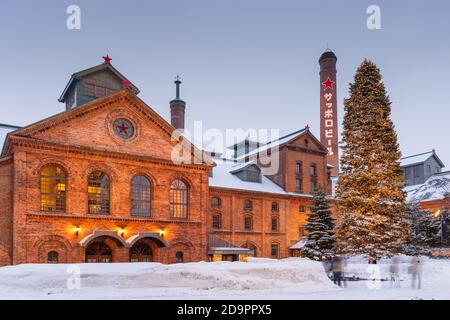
x: 370, y: 189
x: 320, y: 241
x: 424, y: 226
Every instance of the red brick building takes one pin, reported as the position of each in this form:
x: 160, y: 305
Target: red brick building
x: 97, y: 183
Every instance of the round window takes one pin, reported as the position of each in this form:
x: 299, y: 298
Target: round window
x: 123, y: 128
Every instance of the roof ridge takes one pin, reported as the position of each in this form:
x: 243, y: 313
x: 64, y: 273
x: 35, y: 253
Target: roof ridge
x: 287, y: 135
x: 415, y: 155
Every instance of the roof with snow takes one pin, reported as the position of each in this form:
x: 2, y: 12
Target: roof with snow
x: 435, y: 188
x: 298, y: 245
x: 224, y: 178
x: 220, y: 246
x: 3, y: 133
x: 275, y: 143
x: 420, y: 158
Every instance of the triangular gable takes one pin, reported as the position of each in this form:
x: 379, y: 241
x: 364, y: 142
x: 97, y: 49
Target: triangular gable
x: 312, y: 141
x: 290, y: 139
x: 91, y: 121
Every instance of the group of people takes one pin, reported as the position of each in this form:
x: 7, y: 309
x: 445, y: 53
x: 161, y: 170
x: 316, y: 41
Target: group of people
x: 415, y: 269
x: 338, y: 263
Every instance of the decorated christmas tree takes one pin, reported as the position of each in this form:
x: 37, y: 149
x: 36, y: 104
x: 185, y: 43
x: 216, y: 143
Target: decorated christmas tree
x: 320, y: 242
x: 371, y: 201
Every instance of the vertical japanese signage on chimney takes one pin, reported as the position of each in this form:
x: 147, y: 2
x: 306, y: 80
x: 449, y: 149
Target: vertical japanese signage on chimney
x: 328, y: 109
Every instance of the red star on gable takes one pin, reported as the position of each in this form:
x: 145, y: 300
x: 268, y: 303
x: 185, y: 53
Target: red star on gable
x: 123, y: 128
x: 126, y: 83
x: 106, y: 59
x: 328, y: 84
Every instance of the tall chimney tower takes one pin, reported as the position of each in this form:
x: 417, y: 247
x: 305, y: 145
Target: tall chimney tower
x: 177, y: 108
x: 328, y: 109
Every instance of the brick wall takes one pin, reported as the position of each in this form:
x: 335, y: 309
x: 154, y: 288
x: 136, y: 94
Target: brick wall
x: 6, y: 211
x: 232, y: 212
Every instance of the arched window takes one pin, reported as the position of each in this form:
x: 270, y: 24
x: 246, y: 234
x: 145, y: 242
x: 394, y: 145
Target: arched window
x: 98, y: 252
x: 140, y: 196
x: 141, y: 252
x: 217, y: 221
x: 179, y: 257
x: 251, y: 247
x: 52, y: 257
x: 216, y: 202
x: 53, y: 188
x: 248, y: 205
x: 178, y: 199
x: 98, y: 193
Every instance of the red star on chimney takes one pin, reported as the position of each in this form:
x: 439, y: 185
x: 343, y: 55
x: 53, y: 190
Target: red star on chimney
x: 123, y: 128
x: 328, y: 84
x: 106, y: 59
x: 126, y: 84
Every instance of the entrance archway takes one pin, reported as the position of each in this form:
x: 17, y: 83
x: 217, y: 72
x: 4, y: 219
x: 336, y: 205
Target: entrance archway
x: 141, y: 252
x: 98, y: 252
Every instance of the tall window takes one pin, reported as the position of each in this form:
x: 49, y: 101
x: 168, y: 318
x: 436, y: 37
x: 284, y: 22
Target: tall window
x: 313, y: 185
x: 313, y: 170
x: 53, y: 189
x: 298, y: 184
x: 217, y: 221
x: 140, y: 196
x: 275, y: 207
x: 274, y: 251
x: 178, y: 199
x: 98, y: 193
x: 298, y: 167
x: 248, y: 223
x: 248, y: 205
x: 216, y: 202
x: 52, y: 257
x: 274, y: 224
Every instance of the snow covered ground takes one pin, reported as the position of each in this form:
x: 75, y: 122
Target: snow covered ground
x: 291, y: 278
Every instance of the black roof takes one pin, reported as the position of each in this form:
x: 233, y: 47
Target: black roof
x: 328, y: 55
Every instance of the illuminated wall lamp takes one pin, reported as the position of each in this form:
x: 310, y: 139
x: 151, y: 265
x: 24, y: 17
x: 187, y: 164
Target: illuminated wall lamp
x: 121, y: 232
x: 77, y: 230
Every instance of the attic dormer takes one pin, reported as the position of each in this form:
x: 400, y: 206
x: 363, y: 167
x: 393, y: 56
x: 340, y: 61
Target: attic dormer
x: 96, y: 82
x: 248, y: 171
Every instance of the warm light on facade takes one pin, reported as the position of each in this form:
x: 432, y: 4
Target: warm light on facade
x: 162, y: 233
x: 121, y: 232
x: 77, y: 230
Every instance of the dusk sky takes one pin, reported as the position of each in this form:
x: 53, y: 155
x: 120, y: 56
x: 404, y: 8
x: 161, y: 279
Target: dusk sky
x: 243, y: 63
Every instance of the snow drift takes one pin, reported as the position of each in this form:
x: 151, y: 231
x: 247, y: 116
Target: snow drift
x: 203, y: 280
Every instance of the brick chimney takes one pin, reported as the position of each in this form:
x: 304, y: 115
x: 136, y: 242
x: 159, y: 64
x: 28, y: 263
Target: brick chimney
x: 177, y: 108
x: 328, y: 109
